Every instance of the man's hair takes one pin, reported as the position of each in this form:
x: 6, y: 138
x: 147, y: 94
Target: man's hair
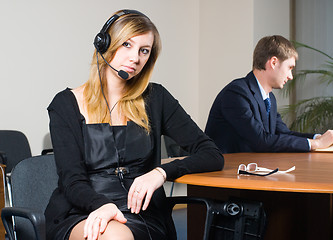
x: 271, y: 46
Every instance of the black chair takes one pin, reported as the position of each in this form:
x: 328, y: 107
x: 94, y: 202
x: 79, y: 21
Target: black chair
x: 14, y: 147
x: 47, y: 151
x: 35, y: 178
x: 33, y: 181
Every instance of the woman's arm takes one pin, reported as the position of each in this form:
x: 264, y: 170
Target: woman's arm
x: 168, y: 117
x: 203, y: 156
x: 65, y: 134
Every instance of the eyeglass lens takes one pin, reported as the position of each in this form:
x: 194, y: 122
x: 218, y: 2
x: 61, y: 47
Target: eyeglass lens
x: 251, y: 167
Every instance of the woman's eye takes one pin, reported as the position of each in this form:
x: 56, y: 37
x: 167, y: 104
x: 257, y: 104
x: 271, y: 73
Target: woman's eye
x: 126, y: 44
x: 145, y: 51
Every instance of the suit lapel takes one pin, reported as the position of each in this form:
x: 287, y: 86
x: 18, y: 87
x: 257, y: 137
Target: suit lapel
x: 258, y: 97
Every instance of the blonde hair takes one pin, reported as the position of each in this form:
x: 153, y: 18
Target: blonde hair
x: 132, y: 104
x: 271, y: 46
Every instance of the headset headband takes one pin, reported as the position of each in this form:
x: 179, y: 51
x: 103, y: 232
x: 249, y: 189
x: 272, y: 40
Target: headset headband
x: 102, y: 40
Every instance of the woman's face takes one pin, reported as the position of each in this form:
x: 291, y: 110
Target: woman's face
x: 132, y: 56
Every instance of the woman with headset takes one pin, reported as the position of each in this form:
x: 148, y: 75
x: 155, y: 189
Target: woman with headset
x: 106, y: 136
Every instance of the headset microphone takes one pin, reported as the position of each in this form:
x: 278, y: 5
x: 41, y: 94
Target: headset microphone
x: 121, y: 73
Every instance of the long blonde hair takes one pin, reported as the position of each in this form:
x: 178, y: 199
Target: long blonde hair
x: 131, y: 105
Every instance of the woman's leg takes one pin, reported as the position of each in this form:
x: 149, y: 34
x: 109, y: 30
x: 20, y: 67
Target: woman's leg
x: 114, y: 231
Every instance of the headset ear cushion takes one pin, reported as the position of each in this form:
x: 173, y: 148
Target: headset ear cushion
x: 102, y: 42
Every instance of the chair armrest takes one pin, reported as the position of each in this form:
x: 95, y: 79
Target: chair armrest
x: 236, y: 209
x: 3, y: 158
x: 36, y: 218
x: 229, y: 208
x: 180, y: 200
x: 212, y: 208
x: 47, y: 151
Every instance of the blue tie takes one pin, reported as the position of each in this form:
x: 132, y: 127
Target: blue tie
x: 268, y: 106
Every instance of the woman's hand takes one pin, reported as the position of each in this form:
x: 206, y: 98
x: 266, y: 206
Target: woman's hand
x: 143, y: 187
x: 98, y: 220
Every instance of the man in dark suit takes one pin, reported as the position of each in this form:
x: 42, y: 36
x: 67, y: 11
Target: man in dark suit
x: 244, y: 115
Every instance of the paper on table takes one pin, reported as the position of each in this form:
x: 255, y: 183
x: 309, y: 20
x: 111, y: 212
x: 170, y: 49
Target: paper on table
x: 329, y: 149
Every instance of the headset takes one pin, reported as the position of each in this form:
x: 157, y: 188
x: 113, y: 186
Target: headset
x: 102, y: 40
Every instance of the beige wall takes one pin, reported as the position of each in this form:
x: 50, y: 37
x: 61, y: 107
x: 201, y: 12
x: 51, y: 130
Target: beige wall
x: 46, y: 46
x: 270, y: 18
x: 229, y: 31
x: 226, y: 42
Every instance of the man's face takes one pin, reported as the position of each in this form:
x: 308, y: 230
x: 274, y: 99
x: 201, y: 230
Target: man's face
x: 282, y: 72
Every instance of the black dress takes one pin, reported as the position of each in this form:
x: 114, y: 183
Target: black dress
x: 104, y: 153
x: 166, y: 117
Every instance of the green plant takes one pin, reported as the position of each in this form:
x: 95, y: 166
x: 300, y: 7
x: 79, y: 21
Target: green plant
x: 313, y: 114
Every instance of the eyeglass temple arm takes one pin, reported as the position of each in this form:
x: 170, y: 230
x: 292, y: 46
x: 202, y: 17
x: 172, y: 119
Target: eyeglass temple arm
x: 257, y: 174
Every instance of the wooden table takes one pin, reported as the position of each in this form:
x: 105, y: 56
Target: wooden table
x: 298, y: 204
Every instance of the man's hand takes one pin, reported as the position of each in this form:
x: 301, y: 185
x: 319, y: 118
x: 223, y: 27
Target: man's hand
x: 322, y: 141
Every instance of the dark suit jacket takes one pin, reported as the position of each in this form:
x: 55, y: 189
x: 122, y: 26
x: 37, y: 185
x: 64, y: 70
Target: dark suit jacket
x: 238, y: 122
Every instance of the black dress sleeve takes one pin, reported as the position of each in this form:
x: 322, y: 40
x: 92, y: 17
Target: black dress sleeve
x: 67, y: 144
x: 203, y: 156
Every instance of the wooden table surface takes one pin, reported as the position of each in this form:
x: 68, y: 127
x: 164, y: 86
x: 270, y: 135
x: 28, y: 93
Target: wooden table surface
x: 313, y: 173
x: 299, y: 204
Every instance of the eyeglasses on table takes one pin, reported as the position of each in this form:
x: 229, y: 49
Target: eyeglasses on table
x: 253, y: 169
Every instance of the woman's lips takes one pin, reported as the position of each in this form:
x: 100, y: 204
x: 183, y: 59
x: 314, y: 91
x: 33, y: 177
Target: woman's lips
x: 129, y: 69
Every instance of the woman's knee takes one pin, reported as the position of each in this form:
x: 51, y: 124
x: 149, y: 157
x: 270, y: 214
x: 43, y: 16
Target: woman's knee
x: 77, y: 231
x: 117, y: 231
x: 114, y: 231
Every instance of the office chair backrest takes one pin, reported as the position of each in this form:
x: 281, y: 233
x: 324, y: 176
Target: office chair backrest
x: 33, y: 181
x: 16, y: 147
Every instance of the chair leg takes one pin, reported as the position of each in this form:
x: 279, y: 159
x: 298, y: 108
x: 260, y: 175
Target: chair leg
x: 171, y: 190
x: 4, y: 185
x: 10, y: 201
